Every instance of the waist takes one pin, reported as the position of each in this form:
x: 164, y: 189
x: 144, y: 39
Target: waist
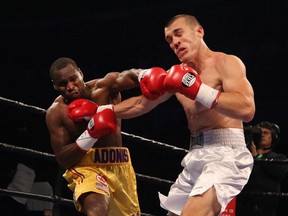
x: 110, y: 155
x: 217, y: 137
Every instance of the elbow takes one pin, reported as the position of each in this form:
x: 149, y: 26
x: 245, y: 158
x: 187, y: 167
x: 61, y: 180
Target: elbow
x: 63, y: 162
x: 248, y: 109
x: 249, y: 113
x: 248, y: 117
x: 65, y: 165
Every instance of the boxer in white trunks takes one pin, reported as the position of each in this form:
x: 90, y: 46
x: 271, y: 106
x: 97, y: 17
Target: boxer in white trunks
x: 217, y: 98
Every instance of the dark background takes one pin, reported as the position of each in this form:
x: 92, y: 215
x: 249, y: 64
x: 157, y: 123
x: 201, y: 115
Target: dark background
x: 116, y: 35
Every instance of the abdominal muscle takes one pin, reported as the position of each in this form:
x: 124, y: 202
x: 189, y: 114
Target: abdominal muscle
x: 201, y: 118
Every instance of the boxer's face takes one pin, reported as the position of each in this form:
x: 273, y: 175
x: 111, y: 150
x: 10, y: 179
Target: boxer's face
x: 68, y: 81
x: 184, y: 39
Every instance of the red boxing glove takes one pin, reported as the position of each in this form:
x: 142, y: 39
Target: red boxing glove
x: 81, y: 109
x: 151, y: 82
x: 185, y: 80
x: 101, y: 124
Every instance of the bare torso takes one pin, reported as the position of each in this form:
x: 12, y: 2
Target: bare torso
x: 199, y: 117
x: 100, y: 96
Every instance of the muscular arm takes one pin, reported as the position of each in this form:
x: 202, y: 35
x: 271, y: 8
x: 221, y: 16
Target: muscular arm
x: 127, y: 79
x: 117, y: 81
x: 237, y: 98
x: 137, y: 106
x: 63, y: 132
x: 65, y: 149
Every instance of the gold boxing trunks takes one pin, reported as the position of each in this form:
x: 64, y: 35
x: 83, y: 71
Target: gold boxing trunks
x: 103, y: 171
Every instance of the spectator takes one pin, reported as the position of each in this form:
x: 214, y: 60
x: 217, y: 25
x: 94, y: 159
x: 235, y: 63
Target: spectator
x: 266, y: 176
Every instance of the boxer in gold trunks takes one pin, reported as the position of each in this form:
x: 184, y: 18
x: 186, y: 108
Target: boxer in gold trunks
x: 86, y: 139
x: 106, y: 171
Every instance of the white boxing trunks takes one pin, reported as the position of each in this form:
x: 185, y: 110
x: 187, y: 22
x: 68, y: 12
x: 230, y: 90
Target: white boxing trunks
x: 216, y: 158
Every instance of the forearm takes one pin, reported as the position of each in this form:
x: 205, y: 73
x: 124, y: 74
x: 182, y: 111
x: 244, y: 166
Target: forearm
x: 236, y: 105
x: 130, y: 108
x: 128, y: 76
x: 137, y: 106
x: 69, y: 155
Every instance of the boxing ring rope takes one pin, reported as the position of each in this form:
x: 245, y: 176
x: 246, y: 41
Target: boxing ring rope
x: 54, y: 199
x: 21, y: 105
x: 50, y: 157
x: 128, y: 136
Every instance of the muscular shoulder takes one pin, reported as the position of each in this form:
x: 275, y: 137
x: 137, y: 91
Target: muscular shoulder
x: 118, y: 81
x: 107, y: 81
x: 57, y: 108
x: 91, y: 83
x: 229, y: 64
